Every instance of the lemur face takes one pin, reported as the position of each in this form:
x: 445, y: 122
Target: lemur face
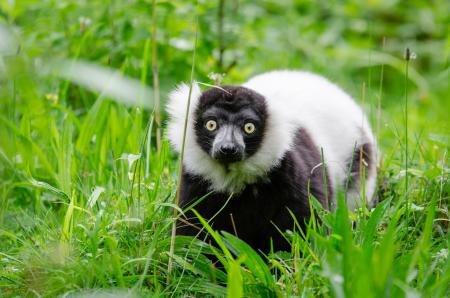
x: 230, y: 123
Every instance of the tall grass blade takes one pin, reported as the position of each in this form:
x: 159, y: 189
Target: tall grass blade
x: 407, y: 58
x: 235, y: 281
x: 156, y: 77
x: 180, y: 166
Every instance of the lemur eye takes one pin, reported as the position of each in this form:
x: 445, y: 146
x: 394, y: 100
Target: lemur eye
x: 211, y: 125
x: 249, y: 128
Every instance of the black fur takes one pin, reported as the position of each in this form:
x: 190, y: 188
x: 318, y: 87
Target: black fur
x: 362, y: 161
x: 262, y: 207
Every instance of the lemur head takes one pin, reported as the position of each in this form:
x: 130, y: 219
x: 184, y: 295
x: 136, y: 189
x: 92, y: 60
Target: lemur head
x: 234, y: 135
x: 229, y: 123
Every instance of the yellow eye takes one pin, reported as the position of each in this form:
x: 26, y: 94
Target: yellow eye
x: 211, y: 125
x: 249, y: 128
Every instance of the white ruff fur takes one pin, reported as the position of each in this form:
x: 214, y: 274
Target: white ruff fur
x: 294, y: 100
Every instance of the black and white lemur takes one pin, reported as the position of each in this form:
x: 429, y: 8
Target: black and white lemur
x: 252, y: 150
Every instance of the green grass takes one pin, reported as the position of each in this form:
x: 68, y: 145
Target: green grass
x: 86, y: 200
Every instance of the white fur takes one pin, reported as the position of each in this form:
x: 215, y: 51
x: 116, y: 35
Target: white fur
x: 295, y: 100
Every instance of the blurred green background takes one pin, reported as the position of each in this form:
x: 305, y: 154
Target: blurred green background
x: 63, y: 146
x: 346, y: 41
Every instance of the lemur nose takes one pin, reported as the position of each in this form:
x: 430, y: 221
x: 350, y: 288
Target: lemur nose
x: 228, y: 149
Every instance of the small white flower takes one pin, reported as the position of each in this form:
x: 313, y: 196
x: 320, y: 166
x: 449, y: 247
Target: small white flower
x: 216, y: 77
x: 84, y: 22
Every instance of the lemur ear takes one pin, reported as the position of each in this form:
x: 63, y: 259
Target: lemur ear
x: 176, y: 109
